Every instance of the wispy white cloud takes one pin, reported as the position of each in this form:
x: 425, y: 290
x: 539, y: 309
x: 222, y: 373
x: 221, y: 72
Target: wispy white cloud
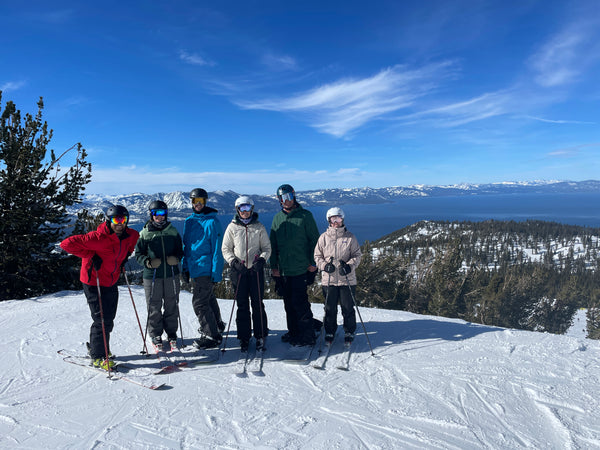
x: 279, y: 63
x: 12, y: 86
x: 566, y: 55
x: 340, y: 107
x: 194, y: 59
x: 143, y: 179
x: 569, y: 152
x: 558, y: 121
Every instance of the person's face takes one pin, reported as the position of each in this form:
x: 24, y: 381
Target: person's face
x: 198, y: 203
x: 159, y: 215
x: 287, y: 201
x: 118, y: 224
x: 336, y: 221
x: 245, y: 211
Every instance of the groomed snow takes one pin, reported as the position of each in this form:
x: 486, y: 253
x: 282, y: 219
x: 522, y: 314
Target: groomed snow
x: 434, y: 383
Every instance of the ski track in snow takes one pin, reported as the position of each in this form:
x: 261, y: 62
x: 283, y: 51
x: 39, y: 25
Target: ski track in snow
x: 433, y: 383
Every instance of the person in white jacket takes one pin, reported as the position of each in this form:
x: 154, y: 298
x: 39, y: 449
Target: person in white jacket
x: 337, y: 255
x: 246, y: 247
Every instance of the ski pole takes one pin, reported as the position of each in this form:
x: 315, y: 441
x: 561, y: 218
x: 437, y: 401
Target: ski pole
x: 135, y: 309
x: 359, y: 316
x: 103, y: 327
x: 178, y: 313
x: 145, y: 349
x: 231, y: 315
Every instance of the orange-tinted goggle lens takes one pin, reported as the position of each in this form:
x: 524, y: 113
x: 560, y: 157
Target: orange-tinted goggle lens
x: 197, y: 200
x: 119, y: 220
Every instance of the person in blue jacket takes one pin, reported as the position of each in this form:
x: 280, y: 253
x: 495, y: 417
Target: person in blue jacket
x: 203, y: 264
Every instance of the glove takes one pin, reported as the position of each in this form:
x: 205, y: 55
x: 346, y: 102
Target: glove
x: 185, y: 276
x: 96, y: 262
x: 152, y: 263
x: 259, y: 264
x: 310, y: 277
x: 345, y: 269
x: 172, y: 260
x: 329, y: 268
x: 238, y: 266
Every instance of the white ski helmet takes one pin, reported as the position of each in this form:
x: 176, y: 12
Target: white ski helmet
x: 335, y: 211
x: 244, y: 200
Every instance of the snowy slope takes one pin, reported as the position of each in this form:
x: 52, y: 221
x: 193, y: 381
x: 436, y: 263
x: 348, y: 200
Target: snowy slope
x: 434, y: 383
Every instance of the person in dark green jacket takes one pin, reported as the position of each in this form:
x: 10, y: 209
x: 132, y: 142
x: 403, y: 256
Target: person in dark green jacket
x: 293, y: 236
x: 159, y: 250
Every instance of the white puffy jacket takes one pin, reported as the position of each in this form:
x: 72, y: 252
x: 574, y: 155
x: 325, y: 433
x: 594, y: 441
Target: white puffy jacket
x: 338, y: 243
x: 246, y: 242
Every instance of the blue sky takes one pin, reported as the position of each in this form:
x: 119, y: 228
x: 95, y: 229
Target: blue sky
x: 247, y: 95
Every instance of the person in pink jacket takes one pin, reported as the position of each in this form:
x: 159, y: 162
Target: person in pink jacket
x: 337, y: 255
x: 103, y: 253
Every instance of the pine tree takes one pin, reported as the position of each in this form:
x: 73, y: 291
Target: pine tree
x: 34, y: 193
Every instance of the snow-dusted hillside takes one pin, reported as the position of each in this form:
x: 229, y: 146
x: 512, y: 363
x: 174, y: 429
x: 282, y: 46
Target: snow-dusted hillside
x: 434, y: 383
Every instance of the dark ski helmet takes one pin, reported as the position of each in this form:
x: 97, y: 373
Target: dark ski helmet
x: 198, y: 193
x: 285, y: 189
x: 158, y: 204
x: 115, y: 211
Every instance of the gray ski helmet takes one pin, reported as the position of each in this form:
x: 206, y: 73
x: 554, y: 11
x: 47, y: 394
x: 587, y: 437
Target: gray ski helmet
x: 285, y: 189
x: 244, y: 200
x: 198, y: 193
x: 335, y: 211
x: 158, y: 204
x: 117, y: 210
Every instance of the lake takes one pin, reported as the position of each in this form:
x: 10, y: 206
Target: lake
x: 371, y: 222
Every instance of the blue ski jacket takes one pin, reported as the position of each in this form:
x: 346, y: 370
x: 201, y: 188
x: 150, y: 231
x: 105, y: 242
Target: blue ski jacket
x: 202, y: 240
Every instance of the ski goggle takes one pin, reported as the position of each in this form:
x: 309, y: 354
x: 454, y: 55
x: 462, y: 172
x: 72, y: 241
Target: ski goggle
x: 245, y: 207
x: 337, y: 219
x: 197, y: 200
x: 287, y: 196
x: 119, y: 220
x: 158, y: 212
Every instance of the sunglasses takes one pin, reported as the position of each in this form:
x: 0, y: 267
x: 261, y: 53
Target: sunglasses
x: 288, y: 196
x: 158, y: 212
x: 119, y: 220
x: 245, y: 208
x: 197, y: 200
x: 337, y: 219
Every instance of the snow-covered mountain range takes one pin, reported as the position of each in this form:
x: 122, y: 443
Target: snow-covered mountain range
x: 179, y: 204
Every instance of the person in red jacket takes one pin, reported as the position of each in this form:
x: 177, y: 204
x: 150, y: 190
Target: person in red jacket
x: 103, y: 254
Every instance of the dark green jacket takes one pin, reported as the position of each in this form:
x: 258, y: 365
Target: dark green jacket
x: 155, y: 243
x: 293, y: 238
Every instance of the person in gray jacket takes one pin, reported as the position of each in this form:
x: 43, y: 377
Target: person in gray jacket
x: 246, y: 247
x: 337, y: 254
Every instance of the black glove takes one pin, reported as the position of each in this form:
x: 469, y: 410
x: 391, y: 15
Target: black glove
x: 310, y: 277
x: 96, y: 262
x: 185, y: 276
x: 329, y: 267
x: 345, y: 269
x: 238, y: 266
x: 259, y: 264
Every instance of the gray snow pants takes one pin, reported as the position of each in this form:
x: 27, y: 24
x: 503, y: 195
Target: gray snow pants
x: 162, y: 301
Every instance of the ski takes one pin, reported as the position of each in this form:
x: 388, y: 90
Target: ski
x: 324, y: 356
x: 122, y: 371
x: 166, y: 364
x: 175, y: 355
x: 241, y: 367
x: 256, y: 364
x: 344, y: 360
x: 195, y: 356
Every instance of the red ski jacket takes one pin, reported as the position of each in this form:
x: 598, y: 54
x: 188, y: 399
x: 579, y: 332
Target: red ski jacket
x: 108, y: 246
